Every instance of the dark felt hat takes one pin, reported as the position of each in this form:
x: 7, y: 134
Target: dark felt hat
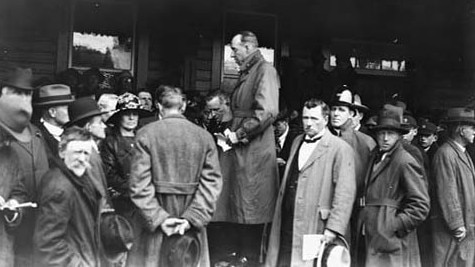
x: 19, y: 78
x: 390, y: 118
x: 127, y: 101
x: 82, y: 108
x: 180, y: 250
x: 117, y: 235
x: 54, y: 95
x: 460, y: 115
x: 409, y: 122
x: 427, y: 128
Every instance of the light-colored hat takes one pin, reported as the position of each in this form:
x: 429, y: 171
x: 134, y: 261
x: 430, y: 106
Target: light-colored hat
x: 334, y: 254
x: 358, y: 104
x: 54, y: 95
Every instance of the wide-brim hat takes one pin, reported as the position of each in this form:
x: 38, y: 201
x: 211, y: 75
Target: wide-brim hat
x: 180, y: 250
x: 344, y: 97
x: 82, y: 108
x: 460, y: 115
x: 125, y: 102
x: 54, y: 95
x: 117, y: 235
x: 19, y: 78
x: 334, y: 254
x: 390, y: 118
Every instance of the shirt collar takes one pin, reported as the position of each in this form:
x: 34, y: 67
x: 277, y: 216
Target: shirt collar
x: 53, y: 129
x: 462, y: 148
x: 283, y: 136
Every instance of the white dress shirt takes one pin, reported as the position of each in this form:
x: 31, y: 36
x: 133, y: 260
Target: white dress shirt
x: 306, y: 149
x: 54, y: 130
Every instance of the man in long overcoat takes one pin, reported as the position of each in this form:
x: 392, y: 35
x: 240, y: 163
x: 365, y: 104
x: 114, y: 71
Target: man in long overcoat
x: 254, y: 105
x: 395, y: 199
x: 175, y: 180
x: 453, y: 217
x: 317, y: 191
x: 28, y: 144
x: 70, y: 204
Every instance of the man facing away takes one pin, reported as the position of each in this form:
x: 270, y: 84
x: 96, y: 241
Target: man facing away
x: 317, y: 191
x: 255, y: 179
x: 175, y: 179
x: 453, y: 215
x: 395, y: 199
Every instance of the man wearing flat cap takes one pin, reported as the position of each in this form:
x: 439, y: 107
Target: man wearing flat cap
x: 53, y: 101
x: 428, y: 138
x: 395, y: 199
x: 454, y: 174
x: 28, y: 144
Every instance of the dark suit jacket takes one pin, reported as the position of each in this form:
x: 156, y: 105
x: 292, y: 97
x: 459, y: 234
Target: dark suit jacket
x: 50, y: 141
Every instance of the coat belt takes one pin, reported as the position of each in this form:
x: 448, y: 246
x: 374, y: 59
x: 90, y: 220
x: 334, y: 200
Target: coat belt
x: 379, y: 202
x: 176, y: 188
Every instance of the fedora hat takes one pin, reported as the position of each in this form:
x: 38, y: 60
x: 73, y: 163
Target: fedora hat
x: 117, y: 235
x: 180, y: 250
x: 460, y: 115
x: 358, y: 104
x: 19, y: 78
x: 82, y: 108
x: 390, y: 118
x: 344, y: 97
x: 54, y: 95
x: 334, y: 254
x: 127, y: 101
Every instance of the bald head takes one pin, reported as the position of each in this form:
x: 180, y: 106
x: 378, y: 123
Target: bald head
x: 243, y: 44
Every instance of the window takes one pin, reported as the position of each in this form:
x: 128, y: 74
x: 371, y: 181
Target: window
x: 103, y: 35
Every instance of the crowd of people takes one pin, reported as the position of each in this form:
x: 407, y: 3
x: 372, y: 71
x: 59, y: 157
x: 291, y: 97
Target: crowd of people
x: 126, y: 177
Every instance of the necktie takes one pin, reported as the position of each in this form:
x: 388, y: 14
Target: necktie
x: 310, y: 140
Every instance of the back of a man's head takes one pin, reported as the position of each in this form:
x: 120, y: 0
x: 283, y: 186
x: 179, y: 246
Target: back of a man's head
x: 170, y: 97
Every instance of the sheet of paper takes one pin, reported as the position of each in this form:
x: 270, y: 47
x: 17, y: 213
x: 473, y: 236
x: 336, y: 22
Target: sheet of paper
x: 221, y: 142
x: 311, y: 246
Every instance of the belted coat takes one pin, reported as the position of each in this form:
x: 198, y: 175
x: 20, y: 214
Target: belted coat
x: 253, y: 164
x: 324, y: 199
x: 175, y: 172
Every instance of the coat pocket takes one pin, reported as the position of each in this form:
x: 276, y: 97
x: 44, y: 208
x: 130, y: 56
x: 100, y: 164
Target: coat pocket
x: 381, y: 231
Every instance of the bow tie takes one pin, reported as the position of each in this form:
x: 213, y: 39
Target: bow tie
x: 308, y: 140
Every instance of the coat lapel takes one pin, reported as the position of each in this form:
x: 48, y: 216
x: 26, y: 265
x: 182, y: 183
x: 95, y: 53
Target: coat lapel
x: 462, y: 156
x: 319, y: 151
x: 384, y: 163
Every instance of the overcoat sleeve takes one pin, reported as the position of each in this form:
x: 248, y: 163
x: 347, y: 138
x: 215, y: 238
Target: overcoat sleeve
x: 265, y: 104
x: 446, y: 187
x: 345, y: 190
x: 416, y: 204
x: 51, y: 226
x: 203, y: 205
x: 141, y: 188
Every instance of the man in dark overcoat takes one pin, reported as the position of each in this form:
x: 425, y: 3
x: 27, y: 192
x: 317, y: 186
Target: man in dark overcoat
x: 67, y: 228
x: 254, y: 105
x: 175, y: 180
x: 395, y: 199
x: 453, y: 217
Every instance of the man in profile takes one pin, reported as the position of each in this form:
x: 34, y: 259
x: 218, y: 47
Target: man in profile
x: 175, y: 180
x: 255, y: 179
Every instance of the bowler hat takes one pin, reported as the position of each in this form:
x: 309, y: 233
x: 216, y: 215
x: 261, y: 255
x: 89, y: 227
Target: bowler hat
x: 117, y: 235
x: 127, y: 101
x: 334, y: 254
x: 180, y: 250
x: 344, y: 98
x: 82, y: 108
x: 390, y: 118
x: 54, y: 95
x: 460, y: 115
x: 427, y: 128
x: 19, y: 78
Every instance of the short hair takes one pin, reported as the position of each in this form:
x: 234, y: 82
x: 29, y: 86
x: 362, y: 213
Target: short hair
x: 248, y: 37
x: 73, y: 133
x: 170, y: 97
x: 313, y: 103
x: 223, y: 97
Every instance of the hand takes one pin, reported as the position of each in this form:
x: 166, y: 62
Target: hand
x: 281, y: 162
x: 460, y: 233
x: 232, y: 138
x: 329, y: 235
x: 175, y: 225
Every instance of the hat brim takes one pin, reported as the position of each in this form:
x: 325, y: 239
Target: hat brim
x: 401, y: 130
x: 84, y: 116
x: 5, y: 84
x: 340, y: 103
x: 467, y: 121
x: 361, y: 107
x: 425, y: 132
x: 113, y: 119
